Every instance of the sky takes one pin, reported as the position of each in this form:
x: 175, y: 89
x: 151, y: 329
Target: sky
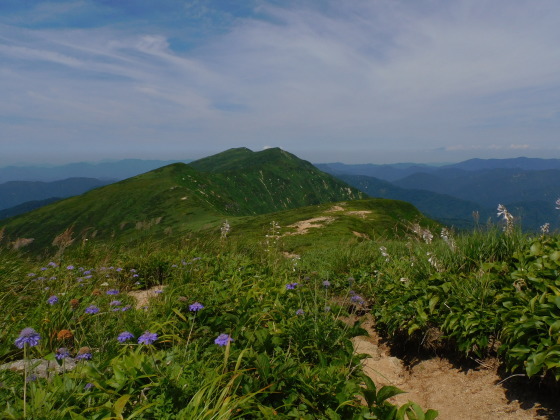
x: 354, y: 81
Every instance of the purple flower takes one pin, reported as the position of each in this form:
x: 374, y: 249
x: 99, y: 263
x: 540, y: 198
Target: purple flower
x: 223, y: 340
x: 125, y: 336
x: 115, y: 303
x: 87, y: 272
x: 147, y: 338
x: 31, y: 378
x: 92, y: 309
x: 125, y: 308
x: 300, y: 312
x: 84, y: 354
x: 52, y: 300
x: 112, y: 292
x: 27, y: 336
x: 62, y: 353
x: 43, y: 268
x: 70, y: 267
x: 357, y: 299
x: 326, y: 284
x: 135, y: 275
x: 133, y: 270
x: 31, y: 275
x: 87, y: 386
x: 291, y: 286
x: 52, y: 264
x: 195, y: 307
x: 119, y: 269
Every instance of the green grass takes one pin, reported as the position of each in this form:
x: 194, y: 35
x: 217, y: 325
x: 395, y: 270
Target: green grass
x: 179, y: 199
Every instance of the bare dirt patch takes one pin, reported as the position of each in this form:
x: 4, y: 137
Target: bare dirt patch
x: 303, y: 226
x: 335, y: 209
x: 143, y: 297
x: 467, y: 394
x: 359, y: 213
x: 360, y: 235
x: 290, y: 255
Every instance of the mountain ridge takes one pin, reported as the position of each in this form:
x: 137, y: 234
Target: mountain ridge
x: 180, y: 198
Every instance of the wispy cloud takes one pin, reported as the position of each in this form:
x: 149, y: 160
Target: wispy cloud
x: 333, y: 75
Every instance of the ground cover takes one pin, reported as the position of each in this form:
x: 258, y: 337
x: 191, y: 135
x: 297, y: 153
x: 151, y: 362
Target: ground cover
x: 240, y: 330
x: 229, y: 335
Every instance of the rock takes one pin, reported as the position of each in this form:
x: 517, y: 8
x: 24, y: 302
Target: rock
x: 40, y: 367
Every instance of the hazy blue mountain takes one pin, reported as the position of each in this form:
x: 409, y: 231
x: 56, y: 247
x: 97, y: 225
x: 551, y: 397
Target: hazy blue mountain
x: 116, y: 170
x: 386, y: 172
x: 13, y: 193
x: 396, y: 171
x: 443, y: 208
x: 26, y: 207
x: 489, y: 187
x: 529, y: 164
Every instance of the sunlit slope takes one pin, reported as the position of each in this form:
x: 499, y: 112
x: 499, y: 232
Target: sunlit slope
x: 331, y: 224
x: 181, y: 198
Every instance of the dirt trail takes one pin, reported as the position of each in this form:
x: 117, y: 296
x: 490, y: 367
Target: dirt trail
x: 472, y: 394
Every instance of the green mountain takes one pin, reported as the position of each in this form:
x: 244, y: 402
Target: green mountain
x: 181, y: 198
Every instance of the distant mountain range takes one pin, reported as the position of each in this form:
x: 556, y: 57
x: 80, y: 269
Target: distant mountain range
x: 15, y: 193
x: 181, y: 198
x: 116, y: 170
x: 528, y: 187
x: 448, y: 193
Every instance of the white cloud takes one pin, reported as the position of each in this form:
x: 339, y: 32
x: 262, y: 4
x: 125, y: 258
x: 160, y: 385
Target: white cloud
x: 357, y: 75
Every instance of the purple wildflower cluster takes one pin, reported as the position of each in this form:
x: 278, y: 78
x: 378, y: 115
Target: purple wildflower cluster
x: 125, y: 336
x: 92, y: 309
x: 27, y: 336
x: 147, y: 338
x: 84, y: 354
x: 223, y: 340
x: 62, y: 353
x: 356, y: 298
x: 195, y: 307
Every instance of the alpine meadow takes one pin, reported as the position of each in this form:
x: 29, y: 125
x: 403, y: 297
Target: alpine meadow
x: 244, y: 286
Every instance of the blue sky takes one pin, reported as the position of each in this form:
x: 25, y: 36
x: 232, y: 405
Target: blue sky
x: 356, y: 81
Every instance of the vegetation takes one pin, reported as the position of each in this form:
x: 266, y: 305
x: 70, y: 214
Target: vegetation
x: 171, y: 357
x: 251, y: 316
x: 172, y: 201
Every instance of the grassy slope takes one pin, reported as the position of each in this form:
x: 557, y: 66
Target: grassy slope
x: 180, y: 198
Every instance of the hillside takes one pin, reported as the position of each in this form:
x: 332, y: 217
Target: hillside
x: 180, y: 198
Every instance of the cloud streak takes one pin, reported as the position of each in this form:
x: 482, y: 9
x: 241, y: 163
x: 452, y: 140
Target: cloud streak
x: 317, y: 78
